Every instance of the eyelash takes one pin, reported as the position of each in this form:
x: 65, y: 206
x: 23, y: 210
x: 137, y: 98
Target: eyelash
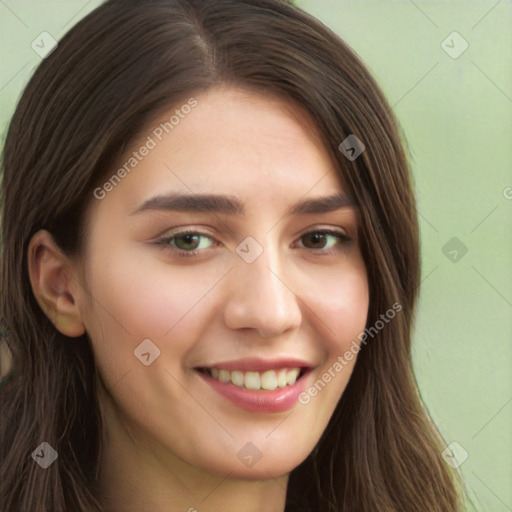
x: 165, y: 242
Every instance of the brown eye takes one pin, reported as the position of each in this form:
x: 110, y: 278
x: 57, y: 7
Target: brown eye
x: 323, y: 239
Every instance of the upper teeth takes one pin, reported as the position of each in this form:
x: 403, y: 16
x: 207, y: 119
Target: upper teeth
x: 268, y: 380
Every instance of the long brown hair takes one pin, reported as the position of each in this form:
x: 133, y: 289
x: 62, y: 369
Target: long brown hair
x: 116, y: 69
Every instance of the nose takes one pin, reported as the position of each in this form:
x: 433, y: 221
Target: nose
x: 260, y: 298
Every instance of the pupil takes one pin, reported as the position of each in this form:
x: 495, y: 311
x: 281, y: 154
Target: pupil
x: 188, y: 240
x: 317, y: 238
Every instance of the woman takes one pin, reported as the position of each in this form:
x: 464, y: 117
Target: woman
x: 210, y: 265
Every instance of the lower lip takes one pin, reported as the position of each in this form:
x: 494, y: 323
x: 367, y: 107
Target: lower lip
x: 278, y: 400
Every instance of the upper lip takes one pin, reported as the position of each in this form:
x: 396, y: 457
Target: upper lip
x: 257, y: 364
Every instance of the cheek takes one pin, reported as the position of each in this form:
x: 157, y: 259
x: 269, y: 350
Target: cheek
x: 339, y: 303
x: 148, y: 297
x: 137, y: 300
x: 339, y: 300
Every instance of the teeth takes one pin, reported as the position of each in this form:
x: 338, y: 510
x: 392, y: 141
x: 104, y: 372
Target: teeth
x: 291, y: 376
x: 252, y: 380
x: 237, y: 378
x: 281, y: 379
x: 224, y: 376
x: 268, y: 380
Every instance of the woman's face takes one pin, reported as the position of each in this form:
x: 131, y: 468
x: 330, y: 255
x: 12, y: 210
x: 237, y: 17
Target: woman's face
x: 256, y: 293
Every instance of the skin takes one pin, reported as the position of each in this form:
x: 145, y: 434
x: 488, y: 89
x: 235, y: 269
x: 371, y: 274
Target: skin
x: 171, y: 441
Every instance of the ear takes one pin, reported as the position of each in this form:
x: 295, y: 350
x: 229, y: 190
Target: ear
x: 53, y: 280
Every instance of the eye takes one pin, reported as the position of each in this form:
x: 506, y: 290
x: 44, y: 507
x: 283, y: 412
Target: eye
x: 193, y: 243
x: 187, y: 243
x: 325, y: 241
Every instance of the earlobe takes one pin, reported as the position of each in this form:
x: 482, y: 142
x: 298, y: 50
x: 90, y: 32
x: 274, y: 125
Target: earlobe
x: 53, y: 284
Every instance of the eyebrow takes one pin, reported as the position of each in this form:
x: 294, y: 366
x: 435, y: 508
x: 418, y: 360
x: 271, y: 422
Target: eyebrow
x: 233, y: 206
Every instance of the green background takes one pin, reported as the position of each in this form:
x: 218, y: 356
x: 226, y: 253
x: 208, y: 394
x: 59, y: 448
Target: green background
x: 457, y: 117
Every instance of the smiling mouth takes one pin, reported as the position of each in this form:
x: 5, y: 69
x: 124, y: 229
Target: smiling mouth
x: 268, y: 380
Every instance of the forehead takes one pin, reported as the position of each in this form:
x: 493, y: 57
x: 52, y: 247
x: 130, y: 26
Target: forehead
x: 260, y: 148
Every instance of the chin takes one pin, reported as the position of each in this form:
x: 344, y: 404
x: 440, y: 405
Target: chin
x: 249, y: 464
